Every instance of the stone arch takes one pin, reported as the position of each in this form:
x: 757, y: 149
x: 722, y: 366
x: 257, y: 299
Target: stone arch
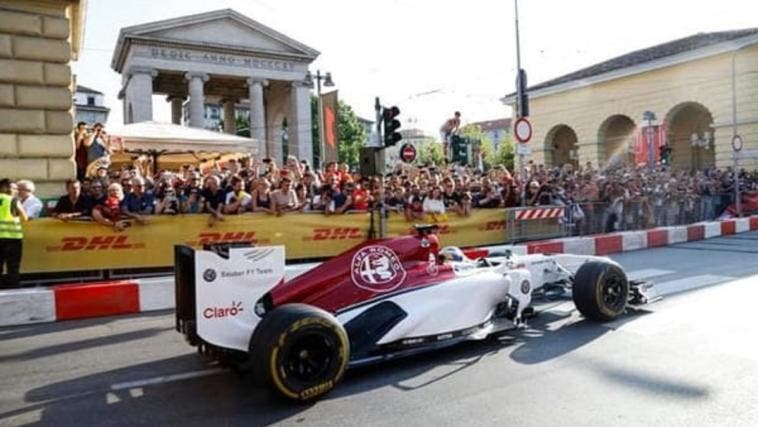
x: 687, y: 121
x: 615, y: 138
x: 561, y: 146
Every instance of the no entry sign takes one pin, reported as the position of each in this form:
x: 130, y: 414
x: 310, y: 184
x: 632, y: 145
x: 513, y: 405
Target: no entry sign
x: 408, y: 153
x: 522, y: 129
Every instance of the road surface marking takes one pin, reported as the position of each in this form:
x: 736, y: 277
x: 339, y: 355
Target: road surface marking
x: 647, y: 273
x: 689, y: 283
x: 165, y: 379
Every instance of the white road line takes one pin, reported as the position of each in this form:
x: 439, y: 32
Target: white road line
x: 689, y: 283
x: 165, y: 379
x: 647, y: 273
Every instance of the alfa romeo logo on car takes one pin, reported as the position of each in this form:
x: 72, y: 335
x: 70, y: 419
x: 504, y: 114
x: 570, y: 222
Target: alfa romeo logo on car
x: 209, y: 275
x: 377, y: 269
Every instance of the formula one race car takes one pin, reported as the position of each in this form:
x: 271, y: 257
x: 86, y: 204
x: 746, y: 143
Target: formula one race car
x: 381, y: 299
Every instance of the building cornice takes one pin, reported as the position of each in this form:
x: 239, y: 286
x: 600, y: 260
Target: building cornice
x: 669, y: 61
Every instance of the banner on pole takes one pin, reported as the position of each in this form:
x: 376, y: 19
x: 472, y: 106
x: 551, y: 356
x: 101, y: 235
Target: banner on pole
x: 331, y: 137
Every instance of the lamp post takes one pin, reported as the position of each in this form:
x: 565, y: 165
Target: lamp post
x: 649, y: 116
x: 327, y: 78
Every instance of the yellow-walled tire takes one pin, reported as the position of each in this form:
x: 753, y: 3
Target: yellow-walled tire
x: 600, y: 290
x: 300, y: 351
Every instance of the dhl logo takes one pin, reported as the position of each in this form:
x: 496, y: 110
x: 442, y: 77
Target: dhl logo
x: 96, y: 243
x: 493, y: 226
x: 338, y: 233
x: 442, y: 229
x: 207, y: 238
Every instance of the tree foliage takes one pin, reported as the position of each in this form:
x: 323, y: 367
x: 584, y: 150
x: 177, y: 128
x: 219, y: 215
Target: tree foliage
x: 430, y: 152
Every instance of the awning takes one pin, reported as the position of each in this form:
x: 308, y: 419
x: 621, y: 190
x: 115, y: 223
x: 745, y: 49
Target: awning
x: 168, y: 138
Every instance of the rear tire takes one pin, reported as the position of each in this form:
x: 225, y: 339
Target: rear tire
x: 300, y: 351
x: 600, y: 290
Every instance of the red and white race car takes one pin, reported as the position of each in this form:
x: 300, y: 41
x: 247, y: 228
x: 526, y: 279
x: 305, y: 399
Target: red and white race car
x: 381, y: 299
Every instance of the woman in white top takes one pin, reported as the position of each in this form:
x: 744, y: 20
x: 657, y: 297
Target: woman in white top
x: 433, y: 203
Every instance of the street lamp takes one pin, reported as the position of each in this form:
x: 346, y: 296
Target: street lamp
x: 700, y: 143
x: 649, y: 116
x: 327, y: 78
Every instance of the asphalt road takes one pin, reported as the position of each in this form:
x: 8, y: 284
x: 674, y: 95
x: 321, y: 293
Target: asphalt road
x: 691, y: 359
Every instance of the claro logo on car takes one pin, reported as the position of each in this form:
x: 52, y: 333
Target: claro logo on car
x: 377, y: 268
x: 221, y: 312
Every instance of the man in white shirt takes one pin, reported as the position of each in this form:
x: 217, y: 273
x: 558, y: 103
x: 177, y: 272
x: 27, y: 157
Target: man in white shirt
x: 31, y: 204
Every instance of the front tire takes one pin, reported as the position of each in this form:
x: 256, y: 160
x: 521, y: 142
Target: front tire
x: 600, y: 290
x: 301, y: 351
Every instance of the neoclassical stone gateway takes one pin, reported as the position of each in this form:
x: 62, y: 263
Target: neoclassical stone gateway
x: 220, y: 56
x: 596, y: 113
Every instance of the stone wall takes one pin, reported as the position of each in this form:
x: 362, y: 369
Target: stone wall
x: 36, y: 94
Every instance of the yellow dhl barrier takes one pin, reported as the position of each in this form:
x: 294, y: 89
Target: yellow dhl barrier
x: 51, y: 245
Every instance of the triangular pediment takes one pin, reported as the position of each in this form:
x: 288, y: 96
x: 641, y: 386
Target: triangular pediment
x: 221, y: 29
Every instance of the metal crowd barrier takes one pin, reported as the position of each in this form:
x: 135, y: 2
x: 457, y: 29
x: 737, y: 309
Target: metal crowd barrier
x: 587, y: 218
x: 535, y: 223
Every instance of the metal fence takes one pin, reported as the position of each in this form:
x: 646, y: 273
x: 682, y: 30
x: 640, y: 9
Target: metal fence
x: 642, y: 213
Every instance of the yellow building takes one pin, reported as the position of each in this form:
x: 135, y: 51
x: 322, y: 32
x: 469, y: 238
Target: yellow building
x: 596, y: 114
x: 38, y: 39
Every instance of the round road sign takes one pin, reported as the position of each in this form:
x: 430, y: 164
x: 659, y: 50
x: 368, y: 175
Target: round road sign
x: 522, y: 130
x: 736, y: 143
x: 408, y: 153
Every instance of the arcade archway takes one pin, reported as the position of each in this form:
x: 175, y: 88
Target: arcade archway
x: 615, y: 137
x: 691, y: 136
x: 561, y: 147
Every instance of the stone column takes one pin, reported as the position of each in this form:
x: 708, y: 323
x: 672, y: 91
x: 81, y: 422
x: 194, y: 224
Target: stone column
x: 197, y: 99
x: 257, y: 114
x: 230, y: 116
x: 299, y: 123
x: 139, y: 94
x: 176, y: 108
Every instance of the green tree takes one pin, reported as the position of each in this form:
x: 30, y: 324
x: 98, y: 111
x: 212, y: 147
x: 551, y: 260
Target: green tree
x: 505, y: 154
x: 350, y: 133
x: 430, y: 152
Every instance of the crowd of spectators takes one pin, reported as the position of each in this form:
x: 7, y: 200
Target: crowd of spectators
x: 599, y: 200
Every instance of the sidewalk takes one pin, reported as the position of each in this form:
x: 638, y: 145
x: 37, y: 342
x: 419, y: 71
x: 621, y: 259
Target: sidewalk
x: 76, y: 301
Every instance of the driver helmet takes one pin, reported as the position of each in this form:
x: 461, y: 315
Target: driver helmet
x: 453, y: 253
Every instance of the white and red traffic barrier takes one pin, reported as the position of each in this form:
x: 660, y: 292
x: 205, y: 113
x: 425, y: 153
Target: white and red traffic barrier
x: 77, y: 301
x: 540, y: 213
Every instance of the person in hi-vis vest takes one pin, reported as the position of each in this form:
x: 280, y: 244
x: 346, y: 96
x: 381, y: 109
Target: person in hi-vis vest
x: 11, y: 234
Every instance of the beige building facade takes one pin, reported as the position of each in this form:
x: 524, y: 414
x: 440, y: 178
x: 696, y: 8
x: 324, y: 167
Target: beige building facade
x: 596, y: 114
x: 38, y: 39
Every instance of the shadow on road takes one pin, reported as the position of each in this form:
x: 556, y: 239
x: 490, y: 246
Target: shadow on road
x: 90, y: 343
x: 26, y: 331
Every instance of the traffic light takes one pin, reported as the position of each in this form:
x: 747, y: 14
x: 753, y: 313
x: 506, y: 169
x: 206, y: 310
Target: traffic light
x: 522, y: 98
x: 391, y: 125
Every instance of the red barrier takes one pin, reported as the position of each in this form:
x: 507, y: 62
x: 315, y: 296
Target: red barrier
x: 754, y: 223
x: 544, y: 247
x: 695, y: 232
x: 728, y: 227
x: 96, y: 299
x: 605, y: 245
x: 656, y: 238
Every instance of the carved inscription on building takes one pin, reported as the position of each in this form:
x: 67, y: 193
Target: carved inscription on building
x: 187, y: 55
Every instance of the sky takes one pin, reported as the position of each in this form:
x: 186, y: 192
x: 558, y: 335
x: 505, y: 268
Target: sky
x: 430, y: 58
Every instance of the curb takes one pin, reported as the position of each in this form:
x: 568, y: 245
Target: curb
x: 78, y: 301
